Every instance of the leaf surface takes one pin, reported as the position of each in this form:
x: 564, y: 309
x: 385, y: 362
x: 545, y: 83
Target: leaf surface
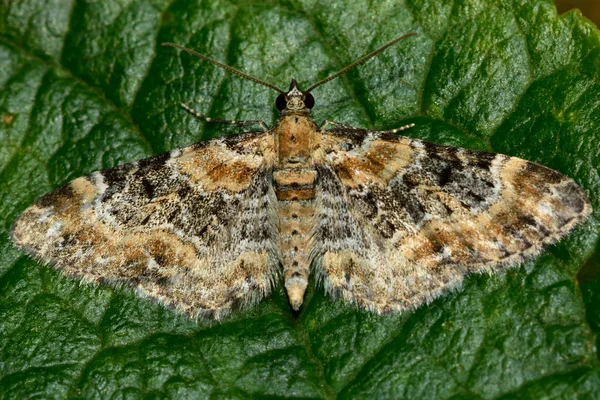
x: 86, y: 85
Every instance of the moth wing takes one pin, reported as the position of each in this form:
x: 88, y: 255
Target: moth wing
x: 400, y: 221
x: 194, y: 228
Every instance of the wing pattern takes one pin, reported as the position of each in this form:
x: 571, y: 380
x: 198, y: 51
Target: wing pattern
x: 395, y: 222
x: 401, y: 221
x: 195, y: 229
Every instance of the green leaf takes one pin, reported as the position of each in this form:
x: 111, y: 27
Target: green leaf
x: 86, y: 85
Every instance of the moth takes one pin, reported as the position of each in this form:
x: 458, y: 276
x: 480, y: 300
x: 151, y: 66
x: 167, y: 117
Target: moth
x: 382, y: 221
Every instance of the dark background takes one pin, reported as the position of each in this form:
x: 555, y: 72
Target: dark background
x: 589, y: 8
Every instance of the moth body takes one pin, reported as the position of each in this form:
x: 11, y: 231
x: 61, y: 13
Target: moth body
x: 294, y: 179
x: 382, y: 221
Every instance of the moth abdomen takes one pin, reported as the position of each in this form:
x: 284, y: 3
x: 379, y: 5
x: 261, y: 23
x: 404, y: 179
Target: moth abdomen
x: 294, y: 179
x: 295, y: 191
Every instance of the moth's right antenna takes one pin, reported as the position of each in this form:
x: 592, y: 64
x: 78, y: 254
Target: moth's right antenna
x: 225, y: 67
x: 360, y: 61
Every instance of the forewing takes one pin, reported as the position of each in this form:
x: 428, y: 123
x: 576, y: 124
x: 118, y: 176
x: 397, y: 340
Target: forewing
x: 194, y: 228
x: 400, y: 221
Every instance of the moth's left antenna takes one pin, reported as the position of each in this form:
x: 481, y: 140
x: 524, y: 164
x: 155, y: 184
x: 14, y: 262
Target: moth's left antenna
x: 225, y: 67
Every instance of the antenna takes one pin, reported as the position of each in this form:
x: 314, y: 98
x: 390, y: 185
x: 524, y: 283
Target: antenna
x: 256, y: 80
x: 225, y: 67
x: 359, y: 61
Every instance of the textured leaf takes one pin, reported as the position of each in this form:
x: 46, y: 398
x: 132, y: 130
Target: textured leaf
x: 86, y: 85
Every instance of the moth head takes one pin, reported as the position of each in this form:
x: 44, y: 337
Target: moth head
x: 295, y: 100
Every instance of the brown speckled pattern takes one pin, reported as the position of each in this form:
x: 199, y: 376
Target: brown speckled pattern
x: 385, y: 222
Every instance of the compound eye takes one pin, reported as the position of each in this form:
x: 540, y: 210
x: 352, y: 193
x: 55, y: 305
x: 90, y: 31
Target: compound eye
x: 281, y: 102
x: 309, y: 101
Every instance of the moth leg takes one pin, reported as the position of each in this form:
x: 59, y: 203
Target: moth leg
x: 336, y: 125
x: 248, y: 122
x: 402, y: 128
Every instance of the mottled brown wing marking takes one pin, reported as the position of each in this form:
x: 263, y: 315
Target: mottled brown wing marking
x: 357, y: 162
x: 194, y: 228
x: 400, y: 221
x: 226, y: 167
